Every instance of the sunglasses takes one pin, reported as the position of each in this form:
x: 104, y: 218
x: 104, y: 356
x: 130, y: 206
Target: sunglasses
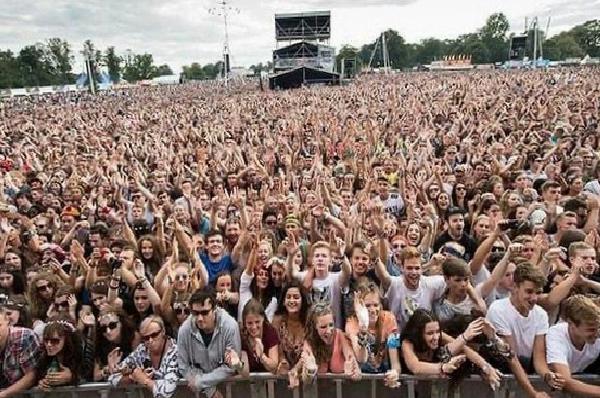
x: 497, y: 249
x: 181, y: 311
x: 151, y: 336
x: 52, y: 341
x: 43, y: 288
x: 201, y: 312
x: 110, y: 326
x: 181, y: 277
x: 269, y: 222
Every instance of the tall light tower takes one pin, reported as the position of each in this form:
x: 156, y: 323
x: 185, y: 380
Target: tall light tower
x: 88, y: 54
x: 223, y: 9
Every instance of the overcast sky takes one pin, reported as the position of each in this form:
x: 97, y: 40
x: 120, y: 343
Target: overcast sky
x: 178, y: 32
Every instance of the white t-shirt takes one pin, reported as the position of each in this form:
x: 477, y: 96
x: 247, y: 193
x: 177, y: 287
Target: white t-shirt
x: 496, y: 293
x: 403, y: 302
x: 393, y: 204
x: 509, y: 322
x: 322, y: 289
x: 560, y: 349
x: 246, y: 295
x: 593, y: 187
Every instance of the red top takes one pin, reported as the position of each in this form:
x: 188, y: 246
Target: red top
x: 269, y: 340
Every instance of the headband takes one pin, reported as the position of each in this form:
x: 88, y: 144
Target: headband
x: 66, y: 324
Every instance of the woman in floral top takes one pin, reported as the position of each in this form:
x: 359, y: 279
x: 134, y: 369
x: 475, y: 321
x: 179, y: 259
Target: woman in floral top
x: 289, y: 323
x: 152, y: 364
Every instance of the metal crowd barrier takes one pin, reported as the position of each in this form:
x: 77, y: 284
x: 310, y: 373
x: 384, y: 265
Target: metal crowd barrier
x: 267, y: 385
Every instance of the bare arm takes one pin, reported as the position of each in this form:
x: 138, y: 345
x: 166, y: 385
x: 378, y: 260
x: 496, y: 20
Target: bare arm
x: 575, y: 386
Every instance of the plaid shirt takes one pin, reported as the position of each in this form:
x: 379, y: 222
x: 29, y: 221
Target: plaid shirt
x: 20, y: 355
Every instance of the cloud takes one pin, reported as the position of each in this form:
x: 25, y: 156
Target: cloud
x: 179, y: 32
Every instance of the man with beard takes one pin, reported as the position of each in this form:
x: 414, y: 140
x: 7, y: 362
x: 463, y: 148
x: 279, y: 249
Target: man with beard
x: 523, y: 324
x: 411, y: 290
x: 456, y: 232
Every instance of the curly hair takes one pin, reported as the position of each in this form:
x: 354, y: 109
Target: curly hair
x: 39, y: 306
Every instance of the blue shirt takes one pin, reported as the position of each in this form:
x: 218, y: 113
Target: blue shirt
x: 214, y: 268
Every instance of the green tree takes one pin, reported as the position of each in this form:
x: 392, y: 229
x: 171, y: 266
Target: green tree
x: 113, y: 63
x: 563, y: 46
x: 346, y: 52
x: 193, y: 72
x: 428, y: 50
x: 61, y: 57
x: 10, y: 75
x: 163, y: 70
x: 139, y: 67
x: 496, y: 27
x: 588, y: 37
x: 35, y: 67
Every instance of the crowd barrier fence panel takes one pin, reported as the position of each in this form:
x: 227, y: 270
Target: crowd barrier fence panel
x: 261, y: 385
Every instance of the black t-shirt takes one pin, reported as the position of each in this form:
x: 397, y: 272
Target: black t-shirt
x: 465, y: 241
x: 207, y: 337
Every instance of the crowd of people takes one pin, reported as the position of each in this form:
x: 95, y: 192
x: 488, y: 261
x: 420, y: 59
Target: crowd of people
x: 438, y: 224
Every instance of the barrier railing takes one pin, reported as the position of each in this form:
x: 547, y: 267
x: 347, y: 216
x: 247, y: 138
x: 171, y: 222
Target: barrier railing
x: 261, y: 385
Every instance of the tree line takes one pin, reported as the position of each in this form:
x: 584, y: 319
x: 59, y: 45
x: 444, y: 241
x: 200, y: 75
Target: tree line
x: 489, y: 44
x: 51, y: 62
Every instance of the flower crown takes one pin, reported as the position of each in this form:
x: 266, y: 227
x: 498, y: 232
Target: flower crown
x: 66, y: 324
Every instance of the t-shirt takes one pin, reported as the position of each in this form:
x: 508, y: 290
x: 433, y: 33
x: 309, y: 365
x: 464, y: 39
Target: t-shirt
x: 393, y: 204
x: 322, y: 288
x: 214, y: 267
x: 269, y: 340
x: 327, y: 290
x: 497, y: 293
x: 560, y: 349
x: 246, y: 295
x: 465, y: 241
x: 445, y: 310
x: 403, y: 302
x: 593, y: 187
x: 523, y: 329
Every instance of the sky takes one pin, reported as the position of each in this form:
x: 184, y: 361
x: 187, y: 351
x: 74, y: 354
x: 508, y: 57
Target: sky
x: 179, y: 32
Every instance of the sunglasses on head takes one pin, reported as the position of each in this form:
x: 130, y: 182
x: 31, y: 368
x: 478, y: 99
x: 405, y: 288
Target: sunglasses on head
x: 109, y: 326
x: 151, y: 336
x: 201, y: 312
x: 52, y: 341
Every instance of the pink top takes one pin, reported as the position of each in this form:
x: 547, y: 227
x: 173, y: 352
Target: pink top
x: 336, y: 364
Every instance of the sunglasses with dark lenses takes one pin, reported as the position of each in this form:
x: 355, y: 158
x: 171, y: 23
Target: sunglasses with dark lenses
x: 152, y: 336
x: 201, y: 312
x: 109, y: 326
x: 43, y: 288
x: 52, y: 341
x: 497, y: 249
x: 182, y: 311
